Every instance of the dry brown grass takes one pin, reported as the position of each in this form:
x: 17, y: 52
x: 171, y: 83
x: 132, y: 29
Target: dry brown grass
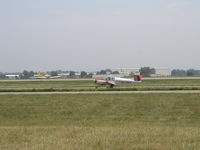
x: 122, y: 137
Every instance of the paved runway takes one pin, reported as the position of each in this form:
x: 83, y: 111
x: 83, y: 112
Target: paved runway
x: 92, y: 79
x: 100, y: 92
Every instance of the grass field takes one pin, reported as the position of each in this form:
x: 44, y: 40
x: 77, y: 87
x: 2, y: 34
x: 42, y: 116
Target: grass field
x: 100, y: 121
x: 90, y: 83
x: 46, y: 84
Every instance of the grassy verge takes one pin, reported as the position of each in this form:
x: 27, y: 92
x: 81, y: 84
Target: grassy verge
x: 102, y: 89
x: 98, y: 122
x: 135, y: 137
x: 47, y: 84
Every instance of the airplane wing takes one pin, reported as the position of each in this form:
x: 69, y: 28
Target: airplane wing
x: 111, y: 82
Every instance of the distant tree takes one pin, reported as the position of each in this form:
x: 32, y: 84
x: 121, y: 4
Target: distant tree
x: 59, y: 71
x: 178, y: 72
x: 102, y: 72
x: 26, y: 74
x: 108, y: 70
x: 31, y: 73
x: 90, y: 75
x: 190, y: 73
x: 83, y: 74
x: 53, y: 73
x: 193, y: 72
x: 115, y: 72
x: 72, y: 74
x: 147, y: 71
x: 2, y: 75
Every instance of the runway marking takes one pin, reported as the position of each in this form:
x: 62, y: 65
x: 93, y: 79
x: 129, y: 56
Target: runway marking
x: 101, y: 92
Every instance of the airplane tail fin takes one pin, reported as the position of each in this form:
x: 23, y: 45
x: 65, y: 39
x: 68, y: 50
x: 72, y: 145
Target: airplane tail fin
x: 39, y: 73
x: 138, y: 77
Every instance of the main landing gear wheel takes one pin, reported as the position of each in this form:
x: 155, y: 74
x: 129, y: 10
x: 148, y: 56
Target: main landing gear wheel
x: 110, y: 86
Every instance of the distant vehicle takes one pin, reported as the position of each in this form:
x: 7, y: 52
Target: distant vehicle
x: 110, y: 82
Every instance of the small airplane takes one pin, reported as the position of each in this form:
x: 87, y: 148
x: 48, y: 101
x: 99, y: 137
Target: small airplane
x: 41, y: 76
x: 110, y: 82
x: 44, y: 76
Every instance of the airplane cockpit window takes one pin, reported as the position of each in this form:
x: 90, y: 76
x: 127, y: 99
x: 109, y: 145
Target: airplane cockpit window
x: 108, y: 78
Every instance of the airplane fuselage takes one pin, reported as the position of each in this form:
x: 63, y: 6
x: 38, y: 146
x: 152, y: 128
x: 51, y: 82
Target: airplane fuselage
x: 112, y: 81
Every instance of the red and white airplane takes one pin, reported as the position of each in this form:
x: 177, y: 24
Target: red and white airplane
x: 110, y: 82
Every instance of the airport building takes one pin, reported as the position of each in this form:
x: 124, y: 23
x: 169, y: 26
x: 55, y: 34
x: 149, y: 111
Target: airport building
x: 67, y: 75
x: 12, y: 76
x: 162, y: 73
x: 125, y: 72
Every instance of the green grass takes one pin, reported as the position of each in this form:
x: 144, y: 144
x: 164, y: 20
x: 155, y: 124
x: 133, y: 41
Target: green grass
x: 100, y: 121
x: 103, y: 89
x: 47, y: 84
x: 171, y: 82
x: 90, y: 84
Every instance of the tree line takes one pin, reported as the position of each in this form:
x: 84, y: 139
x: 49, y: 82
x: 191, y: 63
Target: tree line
x: 181, y: 72
x: 144, y: 71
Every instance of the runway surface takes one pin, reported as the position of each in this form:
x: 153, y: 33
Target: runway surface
x: 144, y: 78
x: 100, y: 92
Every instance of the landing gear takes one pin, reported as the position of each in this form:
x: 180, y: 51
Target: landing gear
x: 110, y: 86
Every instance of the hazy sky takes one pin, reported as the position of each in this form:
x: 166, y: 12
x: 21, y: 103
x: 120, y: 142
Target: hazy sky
x: 97, y: 34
